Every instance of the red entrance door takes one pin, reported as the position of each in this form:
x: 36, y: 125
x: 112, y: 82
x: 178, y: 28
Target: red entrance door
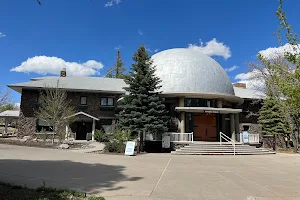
x: 205, y: 127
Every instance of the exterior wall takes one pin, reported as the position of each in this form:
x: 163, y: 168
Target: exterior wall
x: 93, y: 104
x: 250, y: 120
x: 29, y: 103
x: 27, y: 120
x: 171, y: 103
x: 247, y: 107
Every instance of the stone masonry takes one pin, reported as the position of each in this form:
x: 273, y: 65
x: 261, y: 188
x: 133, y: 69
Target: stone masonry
x: 29, y: 103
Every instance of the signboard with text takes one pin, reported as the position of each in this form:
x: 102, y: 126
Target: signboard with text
x: 245, y: 137
x: 129, y: 151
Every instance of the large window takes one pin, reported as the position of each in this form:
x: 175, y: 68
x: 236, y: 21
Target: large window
x: 107, y: 101
x: 196, y: 102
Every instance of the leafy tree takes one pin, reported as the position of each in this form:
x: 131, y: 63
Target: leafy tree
x: 7, y: 107
x: 118, y: 70
x: 143, y: 108
x: 55, y: 109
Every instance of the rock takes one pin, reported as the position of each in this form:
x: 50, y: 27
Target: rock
x: 63, y: 146
x: 25, y: 138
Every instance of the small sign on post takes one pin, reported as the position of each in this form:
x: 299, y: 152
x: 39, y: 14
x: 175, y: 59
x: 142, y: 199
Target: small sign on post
x: 245, y: 137
x: 129, y: 151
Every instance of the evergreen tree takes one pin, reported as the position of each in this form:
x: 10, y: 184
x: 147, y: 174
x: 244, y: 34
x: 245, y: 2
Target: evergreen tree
x: 118, y: 70
x: 142, y: 109
x: 271, y: 115
x: 271, y: 118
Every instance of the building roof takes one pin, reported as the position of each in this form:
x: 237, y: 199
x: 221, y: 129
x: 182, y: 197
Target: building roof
x: 184, y: 70
x: 208, y: 110
x: 85, y: 114
x: 10, y: 114
x: 246, y: 93
x: 74, y: 83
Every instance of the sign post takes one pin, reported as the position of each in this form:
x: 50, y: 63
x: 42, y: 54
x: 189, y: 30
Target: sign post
x: 129, y: 151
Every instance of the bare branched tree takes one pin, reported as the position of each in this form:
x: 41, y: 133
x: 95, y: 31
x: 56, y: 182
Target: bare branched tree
x: 5, y: 98
x: 55, y: 109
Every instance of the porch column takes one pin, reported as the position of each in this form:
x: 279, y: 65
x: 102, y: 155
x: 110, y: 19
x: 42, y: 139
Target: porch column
x: 67, y: 132
x: 222, y: 117
x: 93, y: 130
x: 182, y: 118
x: 182, y: 122
x: 6, y: 126
x: 232, y: 126
x: 237, y: 123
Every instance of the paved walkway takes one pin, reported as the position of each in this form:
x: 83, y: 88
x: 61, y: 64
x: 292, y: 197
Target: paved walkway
x: 155, y: 176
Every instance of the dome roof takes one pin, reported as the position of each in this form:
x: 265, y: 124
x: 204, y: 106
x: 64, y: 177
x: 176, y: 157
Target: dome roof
x: 187, y: 71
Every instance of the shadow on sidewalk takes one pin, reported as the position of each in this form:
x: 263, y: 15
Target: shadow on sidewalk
x: 64, y: 174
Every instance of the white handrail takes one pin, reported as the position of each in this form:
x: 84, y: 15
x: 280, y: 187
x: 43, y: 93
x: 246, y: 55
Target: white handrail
x: 227, y: 139
x: 182, y: 137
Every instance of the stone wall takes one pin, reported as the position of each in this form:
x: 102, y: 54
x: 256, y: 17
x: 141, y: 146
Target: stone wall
x: 29, y: 103
x: 268, y: 141
x: 93, y: 104
x: 27, y: 121
x: 250, y: 111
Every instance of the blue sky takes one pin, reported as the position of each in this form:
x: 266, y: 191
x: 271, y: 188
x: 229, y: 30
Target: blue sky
x: 84, y: 34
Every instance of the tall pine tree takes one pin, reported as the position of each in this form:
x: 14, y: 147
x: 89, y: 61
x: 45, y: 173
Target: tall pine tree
x: 271, y: 115
x: 143, y: 109
x: 118, y: 70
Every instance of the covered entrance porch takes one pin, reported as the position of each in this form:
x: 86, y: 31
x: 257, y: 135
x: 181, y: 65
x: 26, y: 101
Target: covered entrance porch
x: 83, y: 125
x: 207, y: 122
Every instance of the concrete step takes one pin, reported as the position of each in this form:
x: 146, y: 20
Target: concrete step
x: 222, y: 153
x: 219, y: 147
x: 220, y: 150
x: 215, y: 148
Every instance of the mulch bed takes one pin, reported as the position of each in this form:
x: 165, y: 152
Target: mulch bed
x: 39, y: 144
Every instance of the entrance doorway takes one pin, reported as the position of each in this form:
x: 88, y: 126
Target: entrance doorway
x: 205, y: 127
x: 81, y: 131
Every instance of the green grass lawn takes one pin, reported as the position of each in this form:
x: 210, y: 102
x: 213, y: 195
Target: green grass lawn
x: 14, y: 192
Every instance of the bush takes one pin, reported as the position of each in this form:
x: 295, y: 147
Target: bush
x: 121, y: 136
x: 117, y: 142
x: 115, y: 146
x: 101, y: 136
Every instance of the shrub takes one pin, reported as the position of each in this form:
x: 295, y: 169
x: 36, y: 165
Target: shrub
x: 117, y: 142
x: 121, y: 136
x: 101, y: 136
x: 115, y: 146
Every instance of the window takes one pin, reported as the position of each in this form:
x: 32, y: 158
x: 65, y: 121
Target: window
x: 83, y: 100
x: 107, y: 101
x: 196, y: 102
x: 106, y: 121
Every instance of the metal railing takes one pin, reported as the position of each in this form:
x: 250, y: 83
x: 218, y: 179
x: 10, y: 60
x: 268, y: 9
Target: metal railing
x: 227, y: 139
x: 252, y: 138
x: 182, y: 137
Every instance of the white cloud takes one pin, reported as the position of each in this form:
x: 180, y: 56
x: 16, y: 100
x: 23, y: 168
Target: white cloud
x: 212, y: 48
x: 53, y: 65
x: 140, y: 32
x: 150, y: 50
x: 112, y: 3
x: 2, y: 35
x: 250, y: 79
x: 118, y: 47
x: 230, y: 69
x: 275, y: 52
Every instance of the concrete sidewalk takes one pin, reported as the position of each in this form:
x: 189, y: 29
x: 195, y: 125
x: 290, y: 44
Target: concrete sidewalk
x: 155, y: 176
